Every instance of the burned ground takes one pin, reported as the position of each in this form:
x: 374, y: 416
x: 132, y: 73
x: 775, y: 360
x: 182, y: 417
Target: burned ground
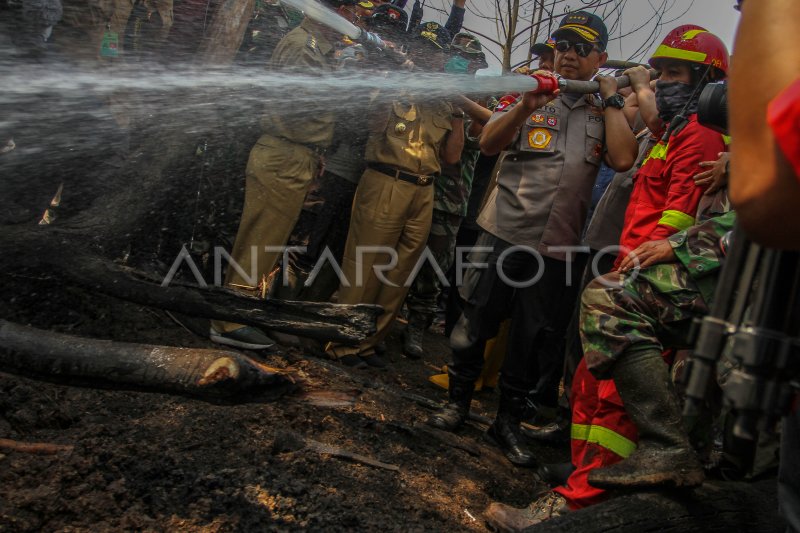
x: 154, y: 462
x: 151, y: 461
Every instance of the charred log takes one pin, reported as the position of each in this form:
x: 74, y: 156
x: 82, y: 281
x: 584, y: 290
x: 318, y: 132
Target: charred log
x: 44, y: 251
x: 207, y: 374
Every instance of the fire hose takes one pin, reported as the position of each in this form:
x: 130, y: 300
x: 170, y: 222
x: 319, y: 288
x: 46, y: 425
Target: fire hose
x: 533, y: 82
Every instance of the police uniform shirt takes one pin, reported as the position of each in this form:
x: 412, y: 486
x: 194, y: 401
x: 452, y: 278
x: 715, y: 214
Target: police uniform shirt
x: 545, y: 181
x: 304, y: 51
x: 409, y: 136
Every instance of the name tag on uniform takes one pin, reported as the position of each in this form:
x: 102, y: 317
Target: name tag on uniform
x: 539, y: 138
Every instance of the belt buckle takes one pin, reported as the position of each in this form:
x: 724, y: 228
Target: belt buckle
x: 423, y: 180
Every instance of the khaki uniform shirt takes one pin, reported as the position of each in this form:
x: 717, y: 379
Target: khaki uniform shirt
x: 544, y: 186
x: 409, y: 136
x: 305, y: 51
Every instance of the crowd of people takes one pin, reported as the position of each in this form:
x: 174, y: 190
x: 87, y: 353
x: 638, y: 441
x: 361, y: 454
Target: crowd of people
x: 592, y: 223
x: 602, y: 306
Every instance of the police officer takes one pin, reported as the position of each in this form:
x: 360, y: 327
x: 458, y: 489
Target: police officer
x: 281, y: 166
x: 555, y: 145
x: 451, y: 195
x: 393, y: 205
x: 545, y: 53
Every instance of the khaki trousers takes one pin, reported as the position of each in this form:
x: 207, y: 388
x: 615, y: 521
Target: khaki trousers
x: 278, y: 175
x: 391, y: 213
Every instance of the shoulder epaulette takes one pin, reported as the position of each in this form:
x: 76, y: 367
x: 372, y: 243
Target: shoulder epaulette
x: 311, y: 43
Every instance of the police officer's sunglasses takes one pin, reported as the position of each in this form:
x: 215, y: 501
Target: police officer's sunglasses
x: 582, y: 49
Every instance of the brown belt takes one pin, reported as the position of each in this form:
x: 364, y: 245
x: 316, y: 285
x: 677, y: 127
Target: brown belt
x: 399, y: 174
x: 319, y: 150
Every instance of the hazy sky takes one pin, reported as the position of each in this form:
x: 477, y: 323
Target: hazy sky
x: 718, y: 16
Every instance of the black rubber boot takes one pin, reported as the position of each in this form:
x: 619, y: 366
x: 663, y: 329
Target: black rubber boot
x: 412, y: 336
x: 453, y: 415
x: 556, y: 474
x: 505, y: 431
x: 544, y: 424
x: 663, y: 456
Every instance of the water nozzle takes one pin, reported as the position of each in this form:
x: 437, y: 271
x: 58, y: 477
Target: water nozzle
x: 371, y: 40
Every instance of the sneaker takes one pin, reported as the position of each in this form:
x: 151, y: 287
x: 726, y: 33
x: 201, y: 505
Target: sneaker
x: 246, y: 338
x: 502, y: 517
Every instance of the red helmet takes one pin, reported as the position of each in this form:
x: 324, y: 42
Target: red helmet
x: 696, y: 45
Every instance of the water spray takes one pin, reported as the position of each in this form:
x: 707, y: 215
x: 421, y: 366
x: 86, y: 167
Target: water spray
x: 539, y: 84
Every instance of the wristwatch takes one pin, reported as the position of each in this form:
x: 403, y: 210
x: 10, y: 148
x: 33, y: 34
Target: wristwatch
x: 615, y: 100
x: 458, y: 114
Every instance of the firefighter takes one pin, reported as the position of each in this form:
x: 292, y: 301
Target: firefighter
x: 665, y: 198
x: 625, y: 325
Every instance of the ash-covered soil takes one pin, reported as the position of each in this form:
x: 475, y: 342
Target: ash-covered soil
x: 150, y: 461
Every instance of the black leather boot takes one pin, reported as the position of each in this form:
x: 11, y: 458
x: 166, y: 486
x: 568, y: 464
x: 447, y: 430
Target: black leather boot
x: 505, y: 431
x: 663, y: 456
x: 413, y: 334
x: 453, y: 415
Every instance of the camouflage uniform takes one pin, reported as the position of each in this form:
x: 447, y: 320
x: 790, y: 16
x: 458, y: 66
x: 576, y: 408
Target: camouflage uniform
x: 451, y: 196
x: 656, y: 307
x: 622, y: 326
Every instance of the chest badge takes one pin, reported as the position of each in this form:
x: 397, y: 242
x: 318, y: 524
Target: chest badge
x: 539, y: 138
x: 552, y: 121
x: 400, y: 127
x: 538, y: 118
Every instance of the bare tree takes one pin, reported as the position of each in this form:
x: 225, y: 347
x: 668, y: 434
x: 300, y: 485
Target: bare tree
x: 506, y: 26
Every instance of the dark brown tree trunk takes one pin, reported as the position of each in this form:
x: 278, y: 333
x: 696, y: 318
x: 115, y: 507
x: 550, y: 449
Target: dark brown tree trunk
x: 209, y: 374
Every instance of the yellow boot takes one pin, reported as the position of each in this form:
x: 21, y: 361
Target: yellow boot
x: 493, y: 357
x: 443, y: 381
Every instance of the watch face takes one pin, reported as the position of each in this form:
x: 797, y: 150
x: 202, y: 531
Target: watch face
x: 615, y: 101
